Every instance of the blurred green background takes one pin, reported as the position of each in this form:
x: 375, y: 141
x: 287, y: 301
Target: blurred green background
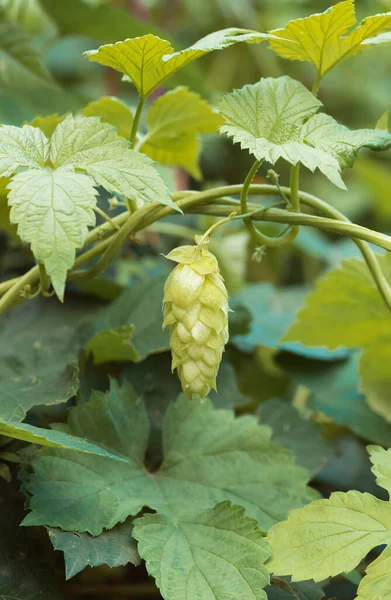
x: 356, y: 94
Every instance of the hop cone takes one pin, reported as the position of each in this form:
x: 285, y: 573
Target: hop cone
x: 196, y: 310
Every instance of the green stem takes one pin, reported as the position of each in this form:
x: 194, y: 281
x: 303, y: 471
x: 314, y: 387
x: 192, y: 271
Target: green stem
x: 45, y: 281
x: 104, y: 234
x: 106, y: 217
x: 316, y: 86
x: 136, y: 120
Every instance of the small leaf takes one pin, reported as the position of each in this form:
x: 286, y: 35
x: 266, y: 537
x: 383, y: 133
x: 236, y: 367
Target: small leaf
x: 376, y: 584
x: 328, y: 537
x: 111, y: 110
x: 323, y: 132
x: 267, y: 119
x: 47, y: 124
x: 211, y: 554
x: 321, y: 40
x: 174, y: 121
x: 148, y: 60
x: 53, y: 210
x: 113, y: 345
x: 375, y: 377
x: 345, y: 309
x: 114, y: 548
x: 383, y: 122
x: 381, y: 461
x: 53, y: 439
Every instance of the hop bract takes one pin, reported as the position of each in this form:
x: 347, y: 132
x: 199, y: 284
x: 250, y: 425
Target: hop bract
x: 196, y: 310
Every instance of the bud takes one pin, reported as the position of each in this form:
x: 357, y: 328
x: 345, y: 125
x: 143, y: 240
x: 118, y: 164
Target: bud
x: 196, y: 310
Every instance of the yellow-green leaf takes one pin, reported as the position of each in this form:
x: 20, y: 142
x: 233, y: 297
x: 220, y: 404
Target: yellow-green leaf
x: 376, y: 376
x: 174, y: 123
x: 111, y: 110
x: 148, y: 60
x: 47, y: 124
x: 376, y: 584
x: 321, y: 40
x: 344, y: 309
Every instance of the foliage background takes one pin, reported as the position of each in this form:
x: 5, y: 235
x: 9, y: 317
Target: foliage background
x: 309, y: 397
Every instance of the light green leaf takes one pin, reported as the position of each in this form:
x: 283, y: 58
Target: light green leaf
x: 328, y: 537
x: 111, y: 110
x: 376, y: 585
x: 148, y: 60
x: 214, y: 554
x: 345, y: 308
x: 174, y: 122
x: 47, y: 124
x: 321, y: 40
x: 209, y: 457
x: 375, y: 377
x: 381, y: 461
x: 22, y: 147
x: 89, y: 144
x: 53, y: 439
x: 383, y: 122
x: 267, y: 119
x: 53, y: 210
x: 324, y: 133
x: 114, y: 548
x: 113, y: 345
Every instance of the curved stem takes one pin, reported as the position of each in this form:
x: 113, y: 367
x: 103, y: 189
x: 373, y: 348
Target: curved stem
x: 103, y: 235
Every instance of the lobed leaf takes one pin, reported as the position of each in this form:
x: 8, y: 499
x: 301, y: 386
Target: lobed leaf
x: 267, y: 119
x: 209, y: 457
x: 328, y: 537
x: 321, y: 40
x: 212, y: 554
x: 22, y: 147
x: 174, y: 122
x: 148, y: 60
x: 381, y: 461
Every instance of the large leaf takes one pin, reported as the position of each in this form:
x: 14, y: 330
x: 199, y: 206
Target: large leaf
x: 111, y: 110
x: 321, y: 40
x: 39, y: 345
x: 345, y: 309
x: 331, y: 536
x: 114, y: 548
x: 267, y: 119
x: 52, y: 204
x: 209, y: 457
x: 209, y: 555
x: 148, y: 60
x: 174, y: 122
x: 53, y: 211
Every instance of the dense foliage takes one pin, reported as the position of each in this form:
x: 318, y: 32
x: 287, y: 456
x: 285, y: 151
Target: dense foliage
x: 217, y: 421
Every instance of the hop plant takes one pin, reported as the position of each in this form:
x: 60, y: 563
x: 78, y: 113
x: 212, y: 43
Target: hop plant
x: 196, y: 311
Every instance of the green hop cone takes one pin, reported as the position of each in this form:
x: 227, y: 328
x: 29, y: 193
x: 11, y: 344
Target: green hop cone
x: 196, y: 310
